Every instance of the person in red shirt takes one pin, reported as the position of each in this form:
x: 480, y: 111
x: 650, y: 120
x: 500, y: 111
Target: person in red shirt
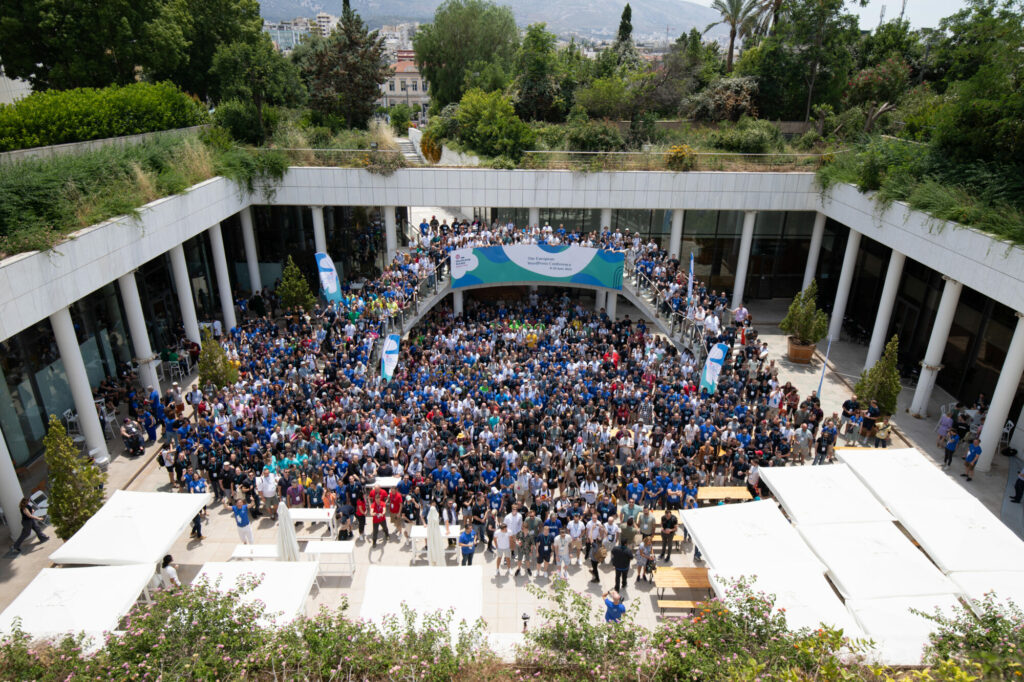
x: 380, y: 520
x: 378, y: 493
x: 395, y: 510
x: 361, y: 515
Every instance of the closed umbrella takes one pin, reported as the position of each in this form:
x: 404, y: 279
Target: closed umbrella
x: 435, y: 543
x: 287, y: 543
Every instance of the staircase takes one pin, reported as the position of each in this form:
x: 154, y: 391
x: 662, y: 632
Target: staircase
x: 408, y: 150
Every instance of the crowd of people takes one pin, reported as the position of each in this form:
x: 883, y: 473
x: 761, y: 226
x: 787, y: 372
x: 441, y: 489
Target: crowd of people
x: 549, y: 433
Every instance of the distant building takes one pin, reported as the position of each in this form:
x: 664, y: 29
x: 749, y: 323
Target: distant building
x: 12, y: 89
x: 405, y: 85
x: 326, y: 23
x: 287, y: 34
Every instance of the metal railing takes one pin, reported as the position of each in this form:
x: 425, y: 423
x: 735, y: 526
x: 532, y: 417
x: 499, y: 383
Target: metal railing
x: 667, y: 161
x: 681, y: 328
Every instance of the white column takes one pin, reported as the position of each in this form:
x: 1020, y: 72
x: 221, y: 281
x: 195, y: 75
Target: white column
x: 599, y: 300
x: 78, y: 382
x: 814, y: 250
x: 251, y: 259
x: 457, y: 303
x: 10, y: 490
x: 606, y: 218
x: 744, y: 257
x: 932, y: 362
x: 319, y: 234
x: 1002, y: 397
x: 390, y: 232
x: 534, y: 216
x: 220, y: 267
x: 533, y: 288
x: 889, y: 289
x: 183, y: 283
x: 137, y: 327
x: 845, y: 280
x: 611, y: 302
x: 675, y: 238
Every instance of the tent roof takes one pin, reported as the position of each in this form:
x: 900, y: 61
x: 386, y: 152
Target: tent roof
x: 823, y: 494
x: 131, y: 528
x: 960, y: 535
x: 874, y: 560
x: 71, y: 600
x: 746, y: 537
x: 283, y: 589
x: 900, y: 636
x: 1007, y: 585
x: 805, y: 595
x: 900, y: 473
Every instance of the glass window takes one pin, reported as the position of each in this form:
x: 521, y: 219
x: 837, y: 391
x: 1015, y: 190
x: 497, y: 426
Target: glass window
x: 402, y: 86
x: 391, y: 86
x: 415, y: 85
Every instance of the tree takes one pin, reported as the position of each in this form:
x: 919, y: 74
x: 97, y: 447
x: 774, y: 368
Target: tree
x: 346, y: 74
x: 463, y: 32
x: 606, y: 98
x: 206, y: 25
x: 76, y: 485
x: 256, y: 73
x: 488, y: 123
x: 804, y: 321
x: 740, y: 16
x: 215, y: 368
x: 882, y: 381
x: 536, y: 88
x: 65, y: 44
x: 625, y: 32
x: 623, y: 47
x: 294, y: 288
x: 879, y: 89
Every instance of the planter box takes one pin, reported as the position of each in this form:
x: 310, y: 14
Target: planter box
x: 800, y: 353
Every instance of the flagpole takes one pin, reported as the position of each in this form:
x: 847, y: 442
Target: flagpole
x: 824, y: 366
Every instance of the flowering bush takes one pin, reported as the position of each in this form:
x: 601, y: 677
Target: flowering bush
x: 681, y: 157
x: 992, y: 636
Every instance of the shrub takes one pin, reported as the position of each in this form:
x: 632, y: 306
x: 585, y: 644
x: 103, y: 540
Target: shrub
x: 61, y: 116
x: 808, y: 141
x: 804, y: 321
x: 882, y: 381
x: 748, y: 136
x: 430, y: 146
x: 215, y: 368
x: 593, y: 136
x: 726, y: 99
x: 681, y: 158
x: 401, y: 115
x: 239, y: 119
x: 502, y: 163
x: 294, y: 288
x: 76, y: 486
x: 489, y: 125
x: 992, y: 636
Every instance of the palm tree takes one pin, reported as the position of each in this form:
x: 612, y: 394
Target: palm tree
x: 741, y: 16
x: 768, y: 13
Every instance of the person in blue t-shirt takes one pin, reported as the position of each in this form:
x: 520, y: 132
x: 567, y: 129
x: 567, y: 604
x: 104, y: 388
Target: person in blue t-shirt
x: 467, y: 541
x: 614, y: 608
x: 971, y: 460
x: 951, y: 445
x: 240, y: 510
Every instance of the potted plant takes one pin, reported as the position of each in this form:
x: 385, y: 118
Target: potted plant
x: 805, y: 324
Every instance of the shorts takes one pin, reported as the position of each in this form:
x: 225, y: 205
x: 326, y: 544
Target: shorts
x: 563, y: 560
x: 396, y: 520
x: 543, y: 557
x: 576, y: 544
x: 503, y: 554
x: 271, y: 502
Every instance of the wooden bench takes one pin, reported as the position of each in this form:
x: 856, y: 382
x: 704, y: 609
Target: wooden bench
x: 665, y: 604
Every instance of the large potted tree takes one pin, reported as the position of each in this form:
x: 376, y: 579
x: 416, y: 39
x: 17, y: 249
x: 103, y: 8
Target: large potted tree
x: 805, y: 324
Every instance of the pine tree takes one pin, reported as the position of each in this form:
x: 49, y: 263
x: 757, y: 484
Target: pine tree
x: 76, y: 485
x: 627, y: 56
x: 294, y: 288
x: 882, y: 381
x: 346, y: 72
x: 625, y: 25
x: 215, y: 369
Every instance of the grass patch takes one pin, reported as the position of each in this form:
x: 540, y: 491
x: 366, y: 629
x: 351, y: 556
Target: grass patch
x: 984, y: 196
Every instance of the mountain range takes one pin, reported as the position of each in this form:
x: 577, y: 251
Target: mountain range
x: 595, y: 19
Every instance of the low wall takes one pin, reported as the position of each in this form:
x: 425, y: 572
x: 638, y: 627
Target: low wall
x: 89, y: 145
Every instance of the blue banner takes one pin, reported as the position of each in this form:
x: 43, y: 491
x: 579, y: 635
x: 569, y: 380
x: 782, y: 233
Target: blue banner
x: 329, y: 284
x: 389, y: 356
x: 541, y: 263
x: 713, y: 367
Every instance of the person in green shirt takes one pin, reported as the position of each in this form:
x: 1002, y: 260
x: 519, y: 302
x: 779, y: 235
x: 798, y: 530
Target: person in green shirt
x: 630, y: 511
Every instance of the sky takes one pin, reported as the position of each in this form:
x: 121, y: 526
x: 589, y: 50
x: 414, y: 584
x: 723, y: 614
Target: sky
x: 920, y: 13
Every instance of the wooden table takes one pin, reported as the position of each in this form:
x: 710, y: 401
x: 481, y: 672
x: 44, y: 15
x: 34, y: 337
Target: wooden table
x: 680, y: 578
x: 725, y: 492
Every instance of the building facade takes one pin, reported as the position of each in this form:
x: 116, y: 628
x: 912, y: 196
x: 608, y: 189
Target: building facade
x: 124, y: 290
x: 405, y: 86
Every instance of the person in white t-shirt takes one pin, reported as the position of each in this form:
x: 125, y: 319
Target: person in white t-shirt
x: 169, y: 574
x: 503, y: 548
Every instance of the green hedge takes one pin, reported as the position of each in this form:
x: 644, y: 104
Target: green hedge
x: 60, y: 116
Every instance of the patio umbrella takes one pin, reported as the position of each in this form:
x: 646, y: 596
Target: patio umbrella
x: 435, y: 543
x: 287, y: 543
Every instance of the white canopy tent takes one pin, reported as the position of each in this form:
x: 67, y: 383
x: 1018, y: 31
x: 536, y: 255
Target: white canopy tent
x: 900, y: 474
x: 283, y: 589
x: 960, y: 535
x: 806, y: 596
x: 131, y: 528
x: 823, y: 494
x: 900, y: 636
x: 1007, y: 586
x: 874, y: 560
x: 740, y: 539
x: 72, y: 600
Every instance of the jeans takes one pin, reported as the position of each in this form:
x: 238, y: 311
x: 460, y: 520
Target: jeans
x: 621, y: 577
x: 467, y: 559
x: 29, y: 526
x: 382, y: 525
x: 819, y: 458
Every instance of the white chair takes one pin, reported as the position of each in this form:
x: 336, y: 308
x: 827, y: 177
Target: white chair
x: 107, y: 419
x: 41, y: 502
x: 71, y: 421
x: 175, y: 370
x: 1007, y: 432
